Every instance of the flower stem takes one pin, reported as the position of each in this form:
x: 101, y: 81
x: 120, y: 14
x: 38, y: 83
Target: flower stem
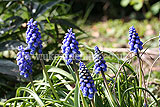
x: 34, y: 89
x: 92, y: 103
x: 140, y: 81
x: 112, y: 102
x: 47, y: 77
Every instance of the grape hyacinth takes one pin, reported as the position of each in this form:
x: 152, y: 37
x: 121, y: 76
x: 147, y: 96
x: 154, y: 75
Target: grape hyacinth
x: 86, y: 81
x: 134, y: 40
x: 24, y: 62
x: 33, y: 37
x: 99, y: 61
x: 70, y: 47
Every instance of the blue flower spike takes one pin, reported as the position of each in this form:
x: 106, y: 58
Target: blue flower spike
x: 70, y: 47
x: 86, y: 81
x: 134, y: 41
x: 100, y: 63
x: 33, y: 37
x: 24, y: 62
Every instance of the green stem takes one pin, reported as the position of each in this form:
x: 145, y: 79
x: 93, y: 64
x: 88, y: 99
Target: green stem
x: 119, y: 89
x: 92, y: 103
x: 69, y: 94
x: 34, y: 89
x: 108, y: 90
x: 47, y: 77
x: 127, y: 86
x: 140, y: 81
x: 150, y: 40
x: 132, y: 88
x: 136, y: 94
x: 154, y: 102
x: 54, y: 61
x: 1, y: 103
x: 56, y: 66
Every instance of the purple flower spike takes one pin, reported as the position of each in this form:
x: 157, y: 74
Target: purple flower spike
x: 24, y: 62
x: 70, y: 47
x: 134, y: 41
x: 99, y: 61
x: 86, y: 82
x: 33, y: 37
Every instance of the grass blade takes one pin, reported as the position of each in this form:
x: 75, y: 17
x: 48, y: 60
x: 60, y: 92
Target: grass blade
x: 36, y: 97
x: 62, y: 72
x: 76, y: 97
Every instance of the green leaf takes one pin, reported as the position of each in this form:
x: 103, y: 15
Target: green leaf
x: 112, y: 67
x: 14, y: 22
x: 98, y: 101
x: 69, y: 95
x: 56, y: 61
x: 26, y: 100
x: 90, y: 64
x: 13, y: 18
x: 138, y: 6
x: 63, y: 22
x: 10, y: 45
x: 124, y: 3
x: 76, y: 97
x: 148, y: 14
x: 114, y: 60
x: 108, y: 97
x: 70, y: 69
x: 9, y: 68
x: 144, y: 89
x: 61, y: 71
x: 3, y: 30
x: 36, y: 97
x: 155, y: 8
x: 8, y: 102
x: 48, y: 67
x: 64, y: 81
x: 43, y: 8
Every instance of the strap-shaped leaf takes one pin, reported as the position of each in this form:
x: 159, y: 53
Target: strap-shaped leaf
x: 63, y: 22
x: 9, y: 68
x: 43, y: 8
x: 62, y: 72
x: 10, y: 45
x: 36, y: 97
x: 76, y: 97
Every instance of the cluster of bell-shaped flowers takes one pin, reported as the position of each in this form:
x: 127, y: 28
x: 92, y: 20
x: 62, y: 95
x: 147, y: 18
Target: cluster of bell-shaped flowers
x: 33, y: 37
x: 134, y: 41
x: 86, y: 82
x: 24, y: 62
x: 70, y: 47
x: 100, y: 63
x: 34, y: 44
